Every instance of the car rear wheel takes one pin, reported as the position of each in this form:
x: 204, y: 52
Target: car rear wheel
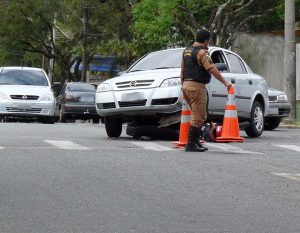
x: 272, y: 123
x: 96, y: 120
x: 62, y: 116
x: 256, y: 127
x: 113, y: 127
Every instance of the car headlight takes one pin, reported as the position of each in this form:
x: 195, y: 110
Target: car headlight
x: 3, y: 96
x: 103, y: 87
x: 282, y: 98
x: 47, y: 98
x: 171, y: 82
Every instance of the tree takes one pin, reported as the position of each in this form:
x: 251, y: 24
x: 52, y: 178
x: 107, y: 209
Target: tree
x: 162, y: 23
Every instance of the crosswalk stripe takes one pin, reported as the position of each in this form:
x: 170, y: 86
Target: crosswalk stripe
x: 67, y: 145
x: 291, y: 176
x: 290, y: 147
x: 230, y: 148
x: 152, y: 146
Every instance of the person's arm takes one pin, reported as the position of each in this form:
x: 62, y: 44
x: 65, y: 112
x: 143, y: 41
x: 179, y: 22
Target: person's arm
x: 182, y: 72
x: 216, y: 73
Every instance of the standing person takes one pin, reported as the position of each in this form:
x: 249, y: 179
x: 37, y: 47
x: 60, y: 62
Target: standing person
x: 196, y: 70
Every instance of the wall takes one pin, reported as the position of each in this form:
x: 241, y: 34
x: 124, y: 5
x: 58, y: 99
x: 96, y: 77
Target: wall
x: 264, y: 53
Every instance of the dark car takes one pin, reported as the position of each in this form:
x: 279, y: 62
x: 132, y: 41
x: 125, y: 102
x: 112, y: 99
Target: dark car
x: 76, y: 100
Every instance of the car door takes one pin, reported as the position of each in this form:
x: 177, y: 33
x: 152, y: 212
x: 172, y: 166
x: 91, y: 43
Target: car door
x: 217, y: 92
x: 244, y: 83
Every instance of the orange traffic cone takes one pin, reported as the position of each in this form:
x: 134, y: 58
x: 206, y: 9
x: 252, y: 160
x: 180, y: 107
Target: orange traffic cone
x: 184, y: 125
x: 230, y: 129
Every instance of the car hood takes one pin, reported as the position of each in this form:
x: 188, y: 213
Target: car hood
x: 274, y: 92
x: 25, y: 90
x: 157, y: 75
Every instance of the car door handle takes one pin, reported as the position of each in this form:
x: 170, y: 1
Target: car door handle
x: 232, y: 81
x: 250, y: 82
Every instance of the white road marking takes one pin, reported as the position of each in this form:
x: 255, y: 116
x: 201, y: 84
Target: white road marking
x: 152, y: 146
x: 290, y: 147
x: 231, y: 148
x: 291, y: 176
x: 67, y: 145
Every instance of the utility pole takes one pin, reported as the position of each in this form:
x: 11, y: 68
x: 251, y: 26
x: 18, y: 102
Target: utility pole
x: 290, y: 55
x: 84, y: 52
x: 51, y: 61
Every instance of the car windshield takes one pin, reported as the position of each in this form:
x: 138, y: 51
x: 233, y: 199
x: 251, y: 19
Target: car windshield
x: 81, y: 88
x: 160, y: 60
x: 23, y: 77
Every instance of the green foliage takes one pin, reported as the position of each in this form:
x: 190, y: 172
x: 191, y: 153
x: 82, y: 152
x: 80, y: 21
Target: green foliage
x: 153, y: 24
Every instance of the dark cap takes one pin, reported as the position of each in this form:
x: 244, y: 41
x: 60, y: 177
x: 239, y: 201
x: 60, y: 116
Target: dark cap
x: 202, y: 35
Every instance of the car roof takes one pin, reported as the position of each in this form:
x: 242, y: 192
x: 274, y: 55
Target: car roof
x: 21, y: 68
x: 210, y: 48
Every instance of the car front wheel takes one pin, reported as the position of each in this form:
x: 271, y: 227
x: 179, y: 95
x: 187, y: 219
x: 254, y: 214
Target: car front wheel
x: 113, y: 127
x: 256, y: 127
x: 272, y: 123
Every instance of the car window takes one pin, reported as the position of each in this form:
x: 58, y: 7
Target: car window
x: 23, y: 77
x: 218, y: 57
x: 81, y: 88
x: 160, y: 60
x: 236, y: 64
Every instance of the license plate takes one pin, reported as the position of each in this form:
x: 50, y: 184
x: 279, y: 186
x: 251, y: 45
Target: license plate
x: 133, y: 96
x: 87, y: 99
x: 24, y: 106
x: 273, y: 111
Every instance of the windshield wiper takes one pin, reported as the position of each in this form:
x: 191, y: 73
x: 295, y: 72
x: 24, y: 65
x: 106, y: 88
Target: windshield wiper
x: 135, y: 71
x: 167, y: 67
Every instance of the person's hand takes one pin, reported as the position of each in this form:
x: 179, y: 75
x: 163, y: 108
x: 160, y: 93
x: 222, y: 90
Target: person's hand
x: 228, y: 86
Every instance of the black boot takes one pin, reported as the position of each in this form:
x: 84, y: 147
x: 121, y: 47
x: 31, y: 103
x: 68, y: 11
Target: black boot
x: 193, y: 138
x: 200, y: 137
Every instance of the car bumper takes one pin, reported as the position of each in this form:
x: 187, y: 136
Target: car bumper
x: 80, y: 109
x: 152, y: 101
x: 19, y: 108
x: 279, y: 109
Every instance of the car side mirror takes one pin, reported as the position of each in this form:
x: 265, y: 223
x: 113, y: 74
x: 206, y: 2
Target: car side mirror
x: 221, y: 66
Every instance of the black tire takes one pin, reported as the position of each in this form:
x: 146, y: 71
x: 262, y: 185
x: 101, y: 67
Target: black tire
x: 256, y: 127
x: 96, y: 120
x: 48, y: 120
x: 272, y: 123
x: 113, y: 127
x: 62, y: 116
x: 153, y: 132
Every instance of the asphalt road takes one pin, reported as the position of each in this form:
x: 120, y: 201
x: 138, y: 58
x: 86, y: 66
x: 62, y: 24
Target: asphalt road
x: 72, y: 178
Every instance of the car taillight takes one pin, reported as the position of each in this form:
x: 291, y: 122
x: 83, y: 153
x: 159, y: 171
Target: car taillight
x: 70, y: 98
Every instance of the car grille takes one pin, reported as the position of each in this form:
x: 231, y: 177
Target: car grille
x: 164, y: 101
x: 283, y: 111
x: 132, y: 103
x: 134, y: 83
x: 30, y: 110
x: 106, y: 105
x: 272, y: 98
x: 24, y: 97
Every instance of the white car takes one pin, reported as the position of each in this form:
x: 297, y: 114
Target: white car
x: 279, y: 108
x: 149, y: 92
x: 26, y: 92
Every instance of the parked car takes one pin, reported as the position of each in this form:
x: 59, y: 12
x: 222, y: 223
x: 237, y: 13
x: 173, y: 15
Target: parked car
x: 26, y: 92
x: 279, y: 107
x: 76, y: 100
x: 149, y: 92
